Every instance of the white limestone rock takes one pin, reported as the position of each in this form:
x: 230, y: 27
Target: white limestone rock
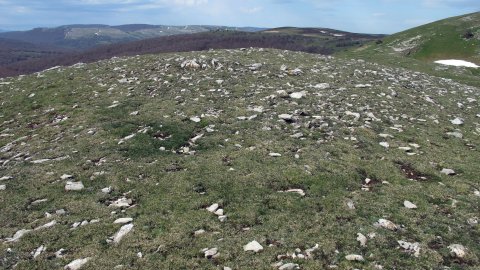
x: 77, y: 264
x: 123, y: 220
x: 413, y: 248
x: 448, y: 171
x: 121, y: 202
x: 297, y: 95
x: 74, y: 186
x: 409, y: 205
x: 253, y: 246
x: 385, y: 144
x: 386, y: 224
x: 458, y: 251
x: 19, y: 234
x: 66, y: 176
x: 211, y: 253
x: 354, y: 257
x: 38, y: 251
x: 457, y: 121
x: 362, y: 239
x: 124, y: 230
x: 289, y: 266
x: 212, y: 208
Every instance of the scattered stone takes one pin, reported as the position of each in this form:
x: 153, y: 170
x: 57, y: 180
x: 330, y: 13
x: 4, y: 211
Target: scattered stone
x: 37, y: 202
x: 297, y: 95
x: 457, y: 121
x: 123, y: 220
x: 385, y: 144
x: 472, y: 221
x: 255, y: 67
x: 363, y: 85
x: 355, y: 115
x: 286, y: 117
x: 413, y: 248
x: 199, y: 232
x: 289, y: 266
x: 195, y: 119
x: 66, y: 176
x: 458, y: 251
x: 455, y: 134
x: 47, y: 225
x: 350, y: 204
x: 275, y: 154
x: 19, y: 234
x: 295, y: 72
x: 211, y: 253
x: 38, y: 251
x: 107, y: 190
x: 3, y: 187
x: 124, y: 230
x: 3, y: 178
x: 212, y: 208
x: 409, y: 205
x: 74, y: 186
x: 387, y: 224
x: 354, y: 257
x: 77, y: 264
x: 222, y: 218
x: 219, y: 212
x: 59, y: 253
x: 253, y: 246
x: 448, y: 171
x: 362, y: 239
x: 122, y: 202
x: 190, y: 64
x: 295, y: 190
x: 40, y: 161
x: 322, y: 86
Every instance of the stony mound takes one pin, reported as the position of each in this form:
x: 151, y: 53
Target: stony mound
x: 238, y: 159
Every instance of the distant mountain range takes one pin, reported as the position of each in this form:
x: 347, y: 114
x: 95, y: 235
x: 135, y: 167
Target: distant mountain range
x: 80, y: 37
x: 312, y: 40
x: 13, y: 51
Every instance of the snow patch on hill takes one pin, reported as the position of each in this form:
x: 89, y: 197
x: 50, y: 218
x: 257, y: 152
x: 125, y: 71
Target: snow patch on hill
x: 457, y: 63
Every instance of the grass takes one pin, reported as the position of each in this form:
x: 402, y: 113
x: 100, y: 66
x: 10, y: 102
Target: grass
x: 439, y: 40
x: 232, y: 166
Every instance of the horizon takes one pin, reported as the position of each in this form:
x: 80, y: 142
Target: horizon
x: 371, y: 16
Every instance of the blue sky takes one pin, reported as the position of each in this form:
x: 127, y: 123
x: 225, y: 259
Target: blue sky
x: 367, y: 16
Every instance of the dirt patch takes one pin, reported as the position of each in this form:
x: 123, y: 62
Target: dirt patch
x: 411, y: 173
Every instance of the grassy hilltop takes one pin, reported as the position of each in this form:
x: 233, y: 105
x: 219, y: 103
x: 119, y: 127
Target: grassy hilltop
x: 378, y: 165
x: 417, y: 48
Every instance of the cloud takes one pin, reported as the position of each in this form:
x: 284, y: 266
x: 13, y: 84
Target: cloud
x: 152, y: 3
x: 452, y: 3
x: 252, y: 10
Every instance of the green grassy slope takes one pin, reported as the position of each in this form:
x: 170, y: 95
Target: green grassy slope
x: 452, y: 38
x: 418, y: 48
x: 171, y: 141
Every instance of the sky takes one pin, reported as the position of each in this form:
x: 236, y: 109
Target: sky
x: 362, y: 16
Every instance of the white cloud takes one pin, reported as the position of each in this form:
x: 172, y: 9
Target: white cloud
x: 251, y: 10
x: 447, y: 3
x: 149, y: 3
x: 188, y: 2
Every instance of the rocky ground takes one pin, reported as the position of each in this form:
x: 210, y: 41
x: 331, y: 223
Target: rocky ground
x: 238, y: 159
